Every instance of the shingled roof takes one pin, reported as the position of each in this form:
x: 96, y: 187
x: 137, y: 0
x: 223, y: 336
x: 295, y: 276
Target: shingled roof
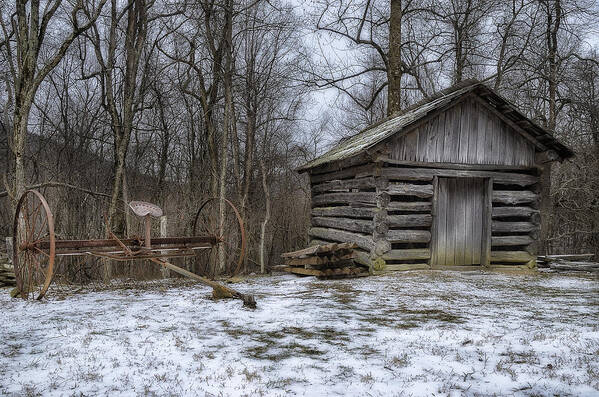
x: 397, y: 123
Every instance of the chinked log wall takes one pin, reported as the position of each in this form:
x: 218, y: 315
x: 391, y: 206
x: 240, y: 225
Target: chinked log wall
x: 386, y: 209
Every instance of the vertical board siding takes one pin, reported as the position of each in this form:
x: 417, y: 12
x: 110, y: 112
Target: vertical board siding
x: 467, y: 133
x: 459, y: 221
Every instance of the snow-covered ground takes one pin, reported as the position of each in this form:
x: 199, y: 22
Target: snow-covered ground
x: 409, y: 333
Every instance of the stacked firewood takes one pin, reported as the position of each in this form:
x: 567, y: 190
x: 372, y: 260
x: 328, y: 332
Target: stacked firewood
x: 7, y: 274
x: 573, y: 262
x: 325, y: 261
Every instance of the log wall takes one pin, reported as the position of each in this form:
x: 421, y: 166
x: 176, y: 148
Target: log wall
x: 515, y: 223
x: 406, y: 198
x: 387, y: 210
x: 344, y: 204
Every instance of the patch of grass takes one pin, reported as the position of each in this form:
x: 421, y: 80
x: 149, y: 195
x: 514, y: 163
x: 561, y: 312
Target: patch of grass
x: 303, y: 350
x: 425, y: 315
x: 29, y: 391
x: 282, y: 383
x: 505, y: 367
x: 367, y: 378
x: 238, y: 332
x: 168, y: 328
x: 251, y: 375
x: 398, y: 361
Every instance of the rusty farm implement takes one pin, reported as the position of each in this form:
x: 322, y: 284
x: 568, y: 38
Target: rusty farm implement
x: 36, y: 248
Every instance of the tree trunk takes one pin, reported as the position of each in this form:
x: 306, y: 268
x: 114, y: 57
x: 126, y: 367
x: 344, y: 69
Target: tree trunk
x: 21, y: 118
x: 228, y: 86
x: 266, y: 216
x: 553, y: 27
x: 394, y: 70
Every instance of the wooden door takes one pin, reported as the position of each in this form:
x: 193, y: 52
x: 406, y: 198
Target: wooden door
x: 460, y: 222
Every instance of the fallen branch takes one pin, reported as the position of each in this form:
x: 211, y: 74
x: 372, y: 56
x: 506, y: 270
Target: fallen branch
x: 574, y: 266
x: 219, y: 291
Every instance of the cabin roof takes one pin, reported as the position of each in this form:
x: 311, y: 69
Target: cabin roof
x: 395, y: 123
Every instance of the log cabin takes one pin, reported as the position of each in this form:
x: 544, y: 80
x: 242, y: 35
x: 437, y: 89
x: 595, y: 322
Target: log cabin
x: 453, y: 181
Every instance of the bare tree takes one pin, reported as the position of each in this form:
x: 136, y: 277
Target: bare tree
x: 23, y: 45
x: 391, y: 34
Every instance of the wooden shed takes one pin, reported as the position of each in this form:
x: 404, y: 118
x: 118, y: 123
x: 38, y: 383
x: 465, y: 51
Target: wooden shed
x: 451, y: 181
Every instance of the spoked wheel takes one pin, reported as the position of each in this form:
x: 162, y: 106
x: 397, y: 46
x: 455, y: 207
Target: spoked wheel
x: 33, y: 245
x: 228, y: 228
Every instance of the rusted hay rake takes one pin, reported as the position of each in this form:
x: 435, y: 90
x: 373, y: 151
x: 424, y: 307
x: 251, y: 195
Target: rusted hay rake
x: 36, y: 247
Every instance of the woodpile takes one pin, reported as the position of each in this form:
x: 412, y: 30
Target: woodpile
x: 326, y: 261
x: 573, y: 262
x: 7, y: 274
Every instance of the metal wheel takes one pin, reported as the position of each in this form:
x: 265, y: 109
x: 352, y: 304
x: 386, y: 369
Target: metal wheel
x: 230, y: 232
x: 34, y: 245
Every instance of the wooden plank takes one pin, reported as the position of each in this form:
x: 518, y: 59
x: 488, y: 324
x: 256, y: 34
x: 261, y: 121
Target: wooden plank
x: 426, y: 174
x: 575, y: 266
x: 303, y: 271
x: 407, y: 254
x: 350, y: 172
x: 452, y: 150
x: 408, y: 174
x: 512, y: 124
x: 477, y: 222
x: 481, y: 143
x: 406, y: 266
x: 410, y: 146
x: 429, y: 146
x: 514, y: 197
x: 511, y: 256
x: 417, y: 124
x: 359, y: 159
x: 364, y: 242
x: 475, y: 134
x: 353, y: 225
x: 439, y: 138
x: 353, y: 198
x: 505, y: 241
x: 408, y: 236
x: 406, y: 189
x: 507, y: 212
x: 517, y: 267
x: 485, y: 259
x: 434, y: 225
x: 320, y: 260
x: 415, y: 206
x: 464, y: 132
x: 455, y: 166
x: 451, y: 221
x: 319, y: 249
x: 346, y: 272
x: 470, y: 217
x: 573, y: 257
x: 345, y: 211
x: 505, y: 227
x: 441, y: 240
x: 344, y: 184
x: 410, y: 220
x: 462, y: 213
